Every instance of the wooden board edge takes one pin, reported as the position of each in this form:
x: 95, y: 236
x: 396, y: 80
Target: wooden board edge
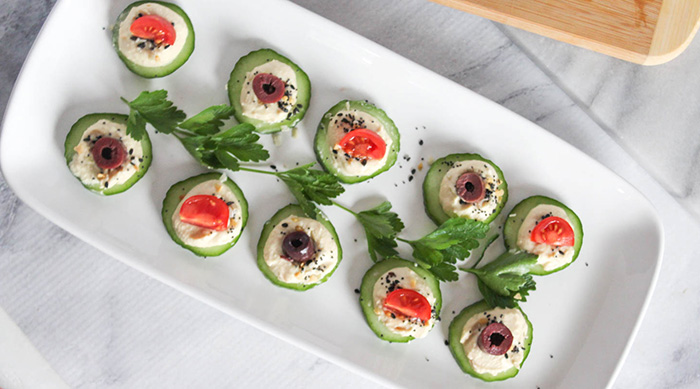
x: 677, y: 25
x: 547, y: 31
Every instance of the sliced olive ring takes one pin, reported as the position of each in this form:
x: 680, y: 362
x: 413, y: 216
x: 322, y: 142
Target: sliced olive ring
x: 495, y: 339
x: 298, y: 247
x: 268, y: 88
x: 470, y: 187
x: 108, y: 153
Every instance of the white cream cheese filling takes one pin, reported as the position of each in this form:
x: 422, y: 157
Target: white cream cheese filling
x: 483, y: 362
x: 143, y: 52
x: 452, y: 204
x: 345, y: 121
x: 83, y: 165
x: 311, y: 272
x: 550, y: 257
x: 204, y: 237
x: 252, y: 107
x: 402, y: 278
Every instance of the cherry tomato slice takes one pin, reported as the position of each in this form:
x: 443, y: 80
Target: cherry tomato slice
x: 553, y: 231
x: 364, y: 144
x: 155, y: 28
x: 205, y: 211
x: 409, y: 303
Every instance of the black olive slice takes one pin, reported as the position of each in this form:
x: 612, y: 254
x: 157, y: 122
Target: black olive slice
x: 298, y: 247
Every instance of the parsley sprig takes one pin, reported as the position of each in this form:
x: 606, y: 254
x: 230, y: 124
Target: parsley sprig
x: 308, y: 185
x: 202, y: 137
x: 381, y: 227
x: 436, y: 252
x: 507, y: 279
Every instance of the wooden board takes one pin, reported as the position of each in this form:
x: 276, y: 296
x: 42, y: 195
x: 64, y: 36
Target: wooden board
x: 648, y: 32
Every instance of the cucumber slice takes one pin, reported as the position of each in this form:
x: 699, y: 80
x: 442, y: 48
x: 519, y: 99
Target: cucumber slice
x: 324, y: 150
x: 185, y: 47
x: 177, y: 192
x: 457, y: 349
x: 433, y: 181
x: 237, y: 81
x: 517, y: 217
x: 75, y: 136
x: 367, y: 290
x: 277, y: 218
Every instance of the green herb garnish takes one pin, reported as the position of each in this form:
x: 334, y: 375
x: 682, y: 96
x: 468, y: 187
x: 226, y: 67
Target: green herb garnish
x: 436, y: 252
x: 308, y: 186
x: 507, y: 279
x: 453, y: 240
x: 202, y: 137
x: 381, y: 227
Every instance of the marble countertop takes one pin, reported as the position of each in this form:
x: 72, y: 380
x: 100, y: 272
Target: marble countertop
x: 110, y: 325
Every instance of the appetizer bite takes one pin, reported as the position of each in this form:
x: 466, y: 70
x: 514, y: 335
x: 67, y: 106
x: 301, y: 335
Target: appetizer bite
x: 401, y: 300
x: 103, y: 157
x: 268, y: 91
x: 490, y: 343
x: 153, y: 38
x: 356, y: 141
x: 547, y: 228
x: 205, y: 214
x: 297, y: 251
x: 464, y: 185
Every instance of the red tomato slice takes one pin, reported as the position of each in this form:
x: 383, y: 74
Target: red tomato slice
x: 364, y: 144
x: 205, y: 211
x: 553, y: 231
x: 408, y: 303
x: 155, y: 28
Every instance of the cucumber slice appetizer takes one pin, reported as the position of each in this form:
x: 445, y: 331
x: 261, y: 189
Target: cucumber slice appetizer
x: 153, y: 57
x: 495, y: 191
x: 327, y: 253
x: 367, y: 296
x: 84, y: 168
x: 281, y: 115
x: 457, y: 348
x: 342, y: 119
x: 518, y: 215
x: 179, y: 191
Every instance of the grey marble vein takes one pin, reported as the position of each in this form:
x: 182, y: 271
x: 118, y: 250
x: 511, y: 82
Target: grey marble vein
x: 109, y: 325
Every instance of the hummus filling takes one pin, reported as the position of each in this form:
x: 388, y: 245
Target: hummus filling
x: 310, y: 272
x: 402, y: 278
x: 83, y: 164
x: 483, y: 362
x: 550, y: 257
x: 252, y: 107
x: 204, y: 237
x: 452, y: 204
x: 145, y: 52
x: 345, y: 121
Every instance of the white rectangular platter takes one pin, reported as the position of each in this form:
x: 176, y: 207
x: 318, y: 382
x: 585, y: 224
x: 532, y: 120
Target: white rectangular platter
x: 584, y: 317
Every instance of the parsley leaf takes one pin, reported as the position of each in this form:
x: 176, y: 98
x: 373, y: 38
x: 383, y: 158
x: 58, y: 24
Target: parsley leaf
x: 453, y: 240
x: 310, y: 186
x: 154, y: 108
x: 381, y: 226
x: 209, y: 121
x: 507, y: 278
x: 199, y: 134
